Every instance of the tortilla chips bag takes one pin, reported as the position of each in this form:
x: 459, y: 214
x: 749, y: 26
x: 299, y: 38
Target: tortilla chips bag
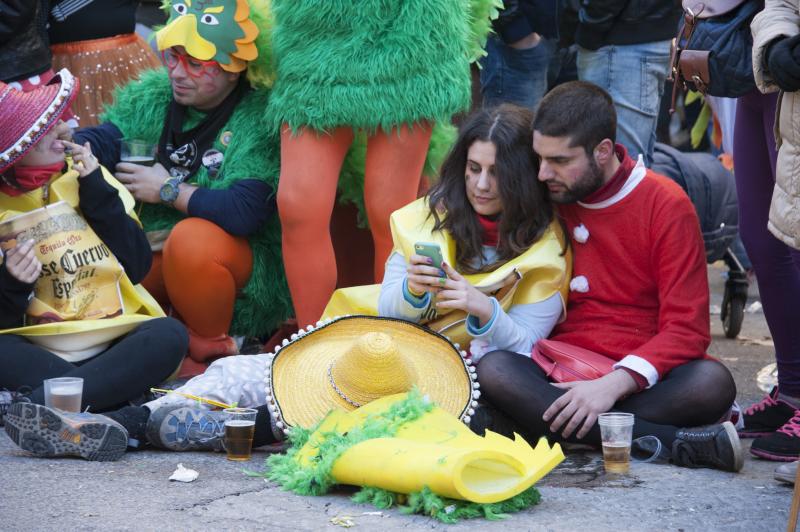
x: 80, y: 276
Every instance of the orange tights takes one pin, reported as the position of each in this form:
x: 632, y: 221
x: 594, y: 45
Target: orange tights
x: 199, y: 273
x: 310, y: 166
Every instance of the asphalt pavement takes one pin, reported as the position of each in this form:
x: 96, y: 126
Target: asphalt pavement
x: 135, y: 493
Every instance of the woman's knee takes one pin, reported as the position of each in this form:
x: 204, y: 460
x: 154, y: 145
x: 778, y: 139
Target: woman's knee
x: 171, y: 338
x: 300, y: 207
x: 492, y: 371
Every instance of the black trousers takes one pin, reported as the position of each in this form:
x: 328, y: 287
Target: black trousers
x: 129, y: 367
x: 693, y: 394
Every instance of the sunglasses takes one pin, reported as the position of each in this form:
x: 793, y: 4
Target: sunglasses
x: 192, y: 66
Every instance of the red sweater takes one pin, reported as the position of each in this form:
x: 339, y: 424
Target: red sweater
x: 644, y: 263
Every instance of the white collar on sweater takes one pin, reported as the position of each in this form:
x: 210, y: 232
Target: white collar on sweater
x: 637, y: 174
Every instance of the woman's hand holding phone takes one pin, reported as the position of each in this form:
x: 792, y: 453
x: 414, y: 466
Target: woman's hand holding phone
x: 422, y: 276
x: 457, y: 293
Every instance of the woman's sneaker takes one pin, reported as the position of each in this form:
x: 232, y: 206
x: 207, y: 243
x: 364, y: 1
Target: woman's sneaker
x: 783, y: 445
x: 714, y: 446
x: 766, y: 416
x: 186, y: 429
x: 48, y: 432
x: 8, y: 398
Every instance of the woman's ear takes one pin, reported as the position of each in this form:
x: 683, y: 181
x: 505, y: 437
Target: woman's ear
x: 604, y: 151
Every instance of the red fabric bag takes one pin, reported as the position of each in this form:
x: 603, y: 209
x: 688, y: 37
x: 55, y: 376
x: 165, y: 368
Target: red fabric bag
x: 563, y: 362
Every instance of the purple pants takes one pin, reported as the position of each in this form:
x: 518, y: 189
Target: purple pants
x: 776, y: 265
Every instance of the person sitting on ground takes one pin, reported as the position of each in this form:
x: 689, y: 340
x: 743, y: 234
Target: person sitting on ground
x: 119, y: 357
x: 639, y: 296
x: 208, y: 202
x: 493, y: 157
x: 505, y: 260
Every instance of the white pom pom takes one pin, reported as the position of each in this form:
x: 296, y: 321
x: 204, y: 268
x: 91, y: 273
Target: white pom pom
x: 467, y: 419
x: 320, y: 323
x: 293, y: 336
x: 471, y: 411
x: 457, y: 346
x: 579, y: 284
x: 285, y: 342
x: 476, y: 394
x: 581, y: 234
x: 280, y: 424
x: 310, y: 328
x: 474, y: 404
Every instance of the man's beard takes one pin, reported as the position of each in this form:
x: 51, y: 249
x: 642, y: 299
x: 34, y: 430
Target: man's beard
x: 588, y: 183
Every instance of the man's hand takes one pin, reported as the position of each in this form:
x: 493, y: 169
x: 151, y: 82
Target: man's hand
x: 143, y: 182
x: 457, y: 293
x: 22, y: 263
x: 585, y: 400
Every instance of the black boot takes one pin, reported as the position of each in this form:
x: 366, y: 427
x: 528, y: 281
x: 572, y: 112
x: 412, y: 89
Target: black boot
x: 714, y: 446
x: 134, y: 419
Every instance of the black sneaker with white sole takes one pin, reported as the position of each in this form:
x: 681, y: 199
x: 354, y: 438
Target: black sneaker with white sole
x: 50, y: 432
x: 714, y: 446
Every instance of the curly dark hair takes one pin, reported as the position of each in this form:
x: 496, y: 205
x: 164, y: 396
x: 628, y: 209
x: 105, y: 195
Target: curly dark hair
x: 527, y: 211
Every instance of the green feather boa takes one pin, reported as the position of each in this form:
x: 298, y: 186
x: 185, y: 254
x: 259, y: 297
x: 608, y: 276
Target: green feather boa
x: 316, y: 479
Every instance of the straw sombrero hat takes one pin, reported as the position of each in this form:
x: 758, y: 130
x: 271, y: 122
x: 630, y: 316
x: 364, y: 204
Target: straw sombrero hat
x: 349, y: 361
x: 26, y: 117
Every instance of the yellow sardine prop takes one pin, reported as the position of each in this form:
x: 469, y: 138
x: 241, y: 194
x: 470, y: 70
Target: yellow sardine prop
x: 374, y: 446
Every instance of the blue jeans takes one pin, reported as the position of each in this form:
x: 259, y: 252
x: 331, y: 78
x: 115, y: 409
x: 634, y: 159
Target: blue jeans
x: 510, y: 75
x: 634, y: 76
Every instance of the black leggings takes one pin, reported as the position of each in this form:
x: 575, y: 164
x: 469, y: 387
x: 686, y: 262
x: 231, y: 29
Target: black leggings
x: 693, y: 394
x: 141, y: 359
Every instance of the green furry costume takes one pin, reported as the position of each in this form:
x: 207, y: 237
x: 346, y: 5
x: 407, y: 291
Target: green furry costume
x: 374, y: 63
x: 139, y: 111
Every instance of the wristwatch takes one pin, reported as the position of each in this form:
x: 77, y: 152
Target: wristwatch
x: 170, y: 190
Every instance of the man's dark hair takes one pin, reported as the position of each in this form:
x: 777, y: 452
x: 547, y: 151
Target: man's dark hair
x: 526, y: 210
x: 579, y: 110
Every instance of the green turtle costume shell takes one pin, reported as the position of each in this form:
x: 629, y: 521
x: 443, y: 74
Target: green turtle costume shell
x: 373, y: 63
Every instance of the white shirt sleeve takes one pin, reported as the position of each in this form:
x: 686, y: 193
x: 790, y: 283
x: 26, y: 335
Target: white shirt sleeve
x: 395, y: 300
x: 520, y: 328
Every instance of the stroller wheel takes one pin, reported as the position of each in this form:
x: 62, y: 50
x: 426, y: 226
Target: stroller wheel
x: 733, y: 315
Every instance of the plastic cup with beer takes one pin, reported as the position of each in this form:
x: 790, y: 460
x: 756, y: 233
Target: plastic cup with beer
x: 137, y: 152
x: 616, y: 431
x: 64, y: 393
x: 240, y: 425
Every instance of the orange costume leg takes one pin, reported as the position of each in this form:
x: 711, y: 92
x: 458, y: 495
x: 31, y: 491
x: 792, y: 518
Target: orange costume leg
x: 154, y: 282
x: 203, y: 268
x: 310, y: 166
x: 391, y: 180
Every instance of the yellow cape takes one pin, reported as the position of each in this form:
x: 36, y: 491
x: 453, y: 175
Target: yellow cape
x: 533, y: 276
x: 78, y: 340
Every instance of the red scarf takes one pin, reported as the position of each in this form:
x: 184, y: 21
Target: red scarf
x: 23, y: 179
x: 490, y: 230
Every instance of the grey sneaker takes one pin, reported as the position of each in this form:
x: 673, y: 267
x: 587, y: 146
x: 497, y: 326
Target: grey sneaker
x: 49, y: 432
x: 714, y: 446
x: 786, y: 472
x: 8, y: 398
x: 186, y: 429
